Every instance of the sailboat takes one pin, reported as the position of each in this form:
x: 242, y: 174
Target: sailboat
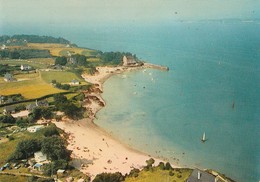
x: 203, y: 139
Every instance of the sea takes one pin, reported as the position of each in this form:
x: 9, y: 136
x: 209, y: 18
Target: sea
x: 212, y: 86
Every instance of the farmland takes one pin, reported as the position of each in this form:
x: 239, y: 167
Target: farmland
x: 62, y: 50
x: 29, y: 88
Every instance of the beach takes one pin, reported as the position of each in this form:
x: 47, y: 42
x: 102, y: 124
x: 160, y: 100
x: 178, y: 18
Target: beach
x: 94, y: 150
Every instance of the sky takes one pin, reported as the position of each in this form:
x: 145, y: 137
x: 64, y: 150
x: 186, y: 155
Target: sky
x: 100, y: 11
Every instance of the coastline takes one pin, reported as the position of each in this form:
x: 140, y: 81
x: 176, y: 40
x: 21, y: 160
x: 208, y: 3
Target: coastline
x: 93, y: 149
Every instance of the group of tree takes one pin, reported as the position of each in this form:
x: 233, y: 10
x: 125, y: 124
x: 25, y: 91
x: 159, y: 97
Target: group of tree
x: 76, y: 59
x: 109, y: 177
x: 40, y: 112
x: 115, y: 58
x: 5, y: 68
x: 24, y: 53
x: 25, y: 149
x: 51, y: 144
x: 32, y: 39
x: 7, y: 119
x: 68, y: 107
x: 60, y: 86
x: 118, y: 177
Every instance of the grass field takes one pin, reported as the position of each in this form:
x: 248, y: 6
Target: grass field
x: 160, y: 175
x: 61, y: 49
x: 29, y: 89
x: 12, y: 178
x: 27, y: 75
x: 40, y: 63
x: 59, y: 76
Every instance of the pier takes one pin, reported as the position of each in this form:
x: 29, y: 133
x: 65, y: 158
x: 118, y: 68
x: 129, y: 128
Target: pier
x: 154, y: 66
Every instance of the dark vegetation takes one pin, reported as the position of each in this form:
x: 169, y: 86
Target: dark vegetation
x: 109, y: 177
x: 5, y: 68
x: 23, y: 39
x: 68, y: 107
x: 24, y: 53
x: 50, y: 143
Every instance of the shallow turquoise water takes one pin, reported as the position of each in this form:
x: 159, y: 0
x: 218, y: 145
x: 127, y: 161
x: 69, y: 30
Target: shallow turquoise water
x: 208, y: 73
x: 212, y: 65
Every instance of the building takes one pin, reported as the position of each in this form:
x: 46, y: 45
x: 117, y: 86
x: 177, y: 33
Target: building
x: 3, y: 47
x: 201, y: 176
x: 40, y: 157
x: 32, y: 106
x: 9, y: 77
x: 8, y: 110
x: 2, y: 99
x: 42, y: 103
x: 38, y: 166
x: 35, y: 128
x: 129, y: 61
x: 25, y: 67
x: 74, y: 82
x: 60, y: 172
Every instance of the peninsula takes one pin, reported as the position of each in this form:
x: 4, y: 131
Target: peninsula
x: 50, y: 92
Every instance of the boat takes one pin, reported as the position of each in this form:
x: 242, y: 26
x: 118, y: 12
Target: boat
x: 203, y: 139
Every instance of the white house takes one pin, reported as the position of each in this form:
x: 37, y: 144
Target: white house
x: 74, y: 82
x: 40, y: 157
x: 35, y: 128
x: 25, y: 67
x: 3, y: 47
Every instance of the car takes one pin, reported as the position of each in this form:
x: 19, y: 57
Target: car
x: 6, y: 165
x: 17, y: 167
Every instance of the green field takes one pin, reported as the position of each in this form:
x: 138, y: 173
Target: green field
x: 40, y: 63
x: 59, y: 76
x: 12, y: 178
x: 157, y: 174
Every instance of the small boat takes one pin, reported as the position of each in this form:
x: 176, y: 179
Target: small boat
x: 203, y: 139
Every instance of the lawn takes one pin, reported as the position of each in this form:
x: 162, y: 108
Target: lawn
x: 29, y: 89
x: 157, y: 174
x: 59, y: 76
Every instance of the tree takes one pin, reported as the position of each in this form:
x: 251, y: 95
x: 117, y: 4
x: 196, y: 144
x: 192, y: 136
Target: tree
x: 109, y: 177
x: 25, y: 149
x: 168, y: 166
x: 61, y: 60
x: 22, y: 123
x: 46, y: 113
x: 161, y: 166
x: 53, y: 167
x: 150, y: 162
x: 81, y: 59
x: 55, y: 148
x: 50, y: 131
x: 53, y: 81
x: 7, y: 119
x: 134, y: 173
x: 36, y: 113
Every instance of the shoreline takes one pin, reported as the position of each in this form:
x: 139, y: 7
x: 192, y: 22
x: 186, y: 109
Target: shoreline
x: 94, y: 150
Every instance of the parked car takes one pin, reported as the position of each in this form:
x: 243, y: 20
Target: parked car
x: 17, y: 167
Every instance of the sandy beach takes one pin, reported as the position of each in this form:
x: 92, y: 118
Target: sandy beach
x: 94, y: 150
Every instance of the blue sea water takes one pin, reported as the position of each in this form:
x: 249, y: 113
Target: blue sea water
x: 212, y: 87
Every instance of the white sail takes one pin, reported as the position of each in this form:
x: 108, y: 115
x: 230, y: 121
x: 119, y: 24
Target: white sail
x: 204, y: 137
